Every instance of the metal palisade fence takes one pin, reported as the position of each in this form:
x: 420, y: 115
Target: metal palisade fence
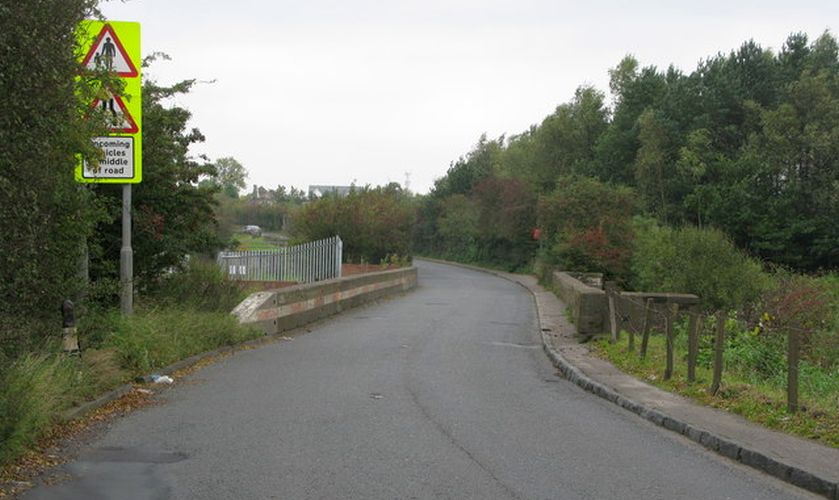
x: 313, y: 261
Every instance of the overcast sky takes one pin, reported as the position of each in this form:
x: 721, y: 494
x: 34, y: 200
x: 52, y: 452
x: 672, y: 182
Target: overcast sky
x: 334, y: 92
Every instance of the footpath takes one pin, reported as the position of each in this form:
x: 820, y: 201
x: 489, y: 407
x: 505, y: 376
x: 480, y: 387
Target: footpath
x: 806, y: 464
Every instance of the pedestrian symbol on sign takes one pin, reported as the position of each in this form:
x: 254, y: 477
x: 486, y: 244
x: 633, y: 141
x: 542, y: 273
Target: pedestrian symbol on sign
x: 108, y: 53
x: 120, y: 119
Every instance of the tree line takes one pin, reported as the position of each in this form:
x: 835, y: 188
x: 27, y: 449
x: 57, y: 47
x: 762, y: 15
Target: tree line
x: 747, y: 143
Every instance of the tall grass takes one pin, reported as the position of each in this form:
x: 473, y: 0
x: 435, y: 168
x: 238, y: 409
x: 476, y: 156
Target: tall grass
x: 33, y: 390
x: 160, y: 337
x: 186, y: 313
x: 201, y: 287
x: 754, y: 378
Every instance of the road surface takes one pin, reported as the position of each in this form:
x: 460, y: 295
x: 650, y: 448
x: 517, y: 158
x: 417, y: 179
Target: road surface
x: 440, y: 393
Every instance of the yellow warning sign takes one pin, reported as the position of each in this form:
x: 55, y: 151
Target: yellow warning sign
x: 114, y: 47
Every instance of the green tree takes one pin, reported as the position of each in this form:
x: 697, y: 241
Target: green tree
x: 695, y: 164
x: 564, y: 143
x: 44, y: 214
x: 746, y: 142
x: 230, y: 176
x: 634, y: 92
x: 173, y: 216
x: 483, y: 160
x: 372, y: 222
x: 506, y: 216
x: 458, y: 227
x: 655, y: 175
x: 587, y: 225
x: 795, y: 197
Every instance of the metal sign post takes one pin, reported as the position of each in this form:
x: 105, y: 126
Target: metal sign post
x: 126, y: 256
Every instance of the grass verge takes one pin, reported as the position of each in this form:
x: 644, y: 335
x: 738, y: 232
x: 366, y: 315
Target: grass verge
x: 758, y: 398
x: 36, y: 389
x: 248, y: 242
x: 158, y: 338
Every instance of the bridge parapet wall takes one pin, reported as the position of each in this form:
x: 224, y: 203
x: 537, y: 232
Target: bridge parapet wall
x: 283, y: 309
x: 589, y: 307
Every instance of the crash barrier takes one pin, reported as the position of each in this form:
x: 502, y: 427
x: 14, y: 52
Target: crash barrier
x: 283, y: 309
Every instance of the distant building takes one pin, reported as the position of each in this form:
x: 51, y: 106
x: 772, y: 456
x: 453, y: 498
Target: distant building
x: 260, y: 196
x: 320, y: 191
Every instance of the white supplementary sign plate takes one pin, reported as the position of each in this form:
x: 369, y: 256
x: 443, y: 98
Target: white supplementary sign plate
x: 118, y: 160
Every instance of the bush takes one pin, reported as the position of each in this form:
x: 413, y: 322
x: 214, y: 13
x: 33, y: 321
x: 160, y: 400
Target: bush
x: 202, y: 286
x: 96, y: 326
x: 372, y: 222
x: 825, y: 342
x: 588, y: 226
x: 761, y: 355
x: 35, y: 389
x: 506, y: 217
x: 695, y: 260
x: 805, y: 303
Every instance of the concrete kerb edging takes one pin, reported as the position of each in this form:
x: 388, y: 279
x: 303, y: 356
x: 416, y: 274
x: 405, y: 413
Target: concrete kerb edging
x: 113, y: 395
x: 721, y: 445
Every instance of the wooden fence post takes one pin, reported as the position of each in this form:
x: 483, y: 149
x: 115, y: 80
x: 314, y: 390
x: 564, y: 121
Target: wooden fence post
x: 693, y: 344
x: 613, y: 320
x: 793, y: 355
x: 719, y: 347
x: 645, y: 333
x: 671, y: 311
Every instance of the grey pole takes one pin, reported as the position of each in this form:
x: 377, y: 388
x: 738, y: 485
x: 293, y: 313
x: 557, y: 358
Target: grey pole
x: 84, y: 271
x: 126, y: 256
x: 84, y: 266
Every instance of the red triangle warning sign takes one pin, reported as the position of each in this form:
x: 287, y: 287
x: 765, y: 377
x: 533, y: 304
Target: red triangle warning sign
x: 119, y: 119
x: 108, y: 53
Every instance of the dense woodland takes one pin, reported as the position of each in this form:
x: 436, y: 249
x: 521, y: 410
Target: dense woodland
x: 747, y: 142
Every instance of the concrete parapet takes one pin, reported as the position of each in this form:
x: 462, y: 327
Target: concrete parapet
x: 587, y: 304
x: 275, y: 311
x: 589, y: 307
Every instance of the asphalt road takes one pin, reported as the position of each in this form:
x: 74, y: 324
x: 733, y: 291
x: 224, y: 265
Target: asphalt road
x: 441, y: 393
